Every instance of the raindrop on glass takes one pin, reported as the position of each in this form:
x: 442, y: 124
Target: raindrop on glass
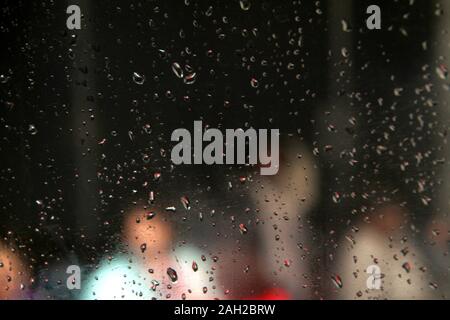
x: 172, y: 274
x: 138, y: 78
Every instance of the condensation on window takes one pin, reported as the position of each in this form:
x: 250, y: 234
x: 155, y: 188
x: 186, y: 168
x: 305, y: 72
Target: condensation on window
x: 336, y: 115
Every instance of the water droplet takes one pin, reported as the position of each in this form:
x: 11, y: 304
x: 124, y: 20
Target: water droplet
x: 131, y: 135
x: 254, y: 83
x: 209, y: 12
x: 344, y: 52
x: 398, y: 92
x: 150, y: 215
x: 3, y: 78
x: 442, y: 72
x: 337, y: 281
x: 345, y: 26
x: 32, y: 129
x: 176, y: 68
x: 172, y: 274
x: 243, y: 229
x: 162, y: 53
x: 145, y: 158
x: 190, y: 78
x: 138, y: 78
x: 151, y: 197
x: 245, y: 4
x: 407, y: 267
x: 185, y: 202
x: 336, y: 197
x: 155, y: 283
x: 147, y: 128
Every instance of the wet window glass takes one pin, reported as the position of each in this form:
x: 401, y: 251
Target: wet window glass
x: 236, y: 149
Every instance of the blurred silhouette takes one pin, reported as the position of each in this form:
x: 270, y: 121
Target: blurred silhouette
x: 14, y: 278
x: 149, y: 266
x: 383, y: 239
x: 284, y: 236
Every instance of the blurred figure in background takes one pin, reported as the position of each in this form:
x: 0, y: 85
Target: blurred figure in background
x: 14, y: 279
x: 437, y: 238
x: 147, y: 266
x: 384, y: 240
x: 285, y: 238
